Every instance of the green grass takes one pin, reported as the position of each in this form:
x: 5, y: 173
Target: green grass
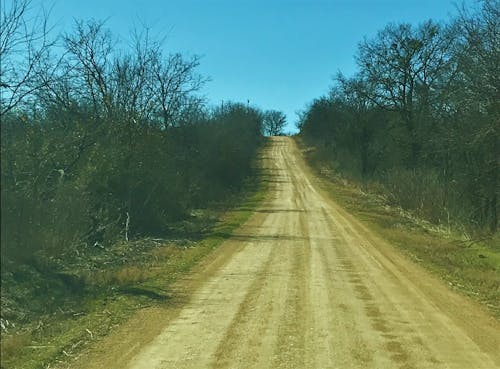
x: 120, y: 290
x: 471, y: 267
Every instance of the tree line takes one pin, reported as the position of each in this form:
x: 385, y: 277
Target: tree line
x: 421, y: 116
x: 100, y: 142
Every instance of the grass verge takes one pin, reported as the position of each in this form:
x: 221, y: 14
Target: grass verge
x: 467, y: 265
x: 134, y: 275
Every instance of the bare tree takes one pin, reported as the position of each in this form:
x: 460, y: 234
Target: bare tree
x: 478, y: 96
x: 141, y: 84
x: 25, y: 45
x: 401, y: 67
x: 132, y: 77
x: 274, y: 122
x: 175, y: 81
x: 90, y: 48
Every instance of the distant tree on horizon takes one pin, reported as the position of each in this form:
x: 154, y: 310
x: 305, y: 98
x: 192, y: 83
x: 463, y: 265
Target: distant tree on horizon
x: 274, y: 122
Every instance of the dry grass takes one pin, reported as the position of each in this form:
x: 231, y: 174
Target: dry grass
x: 13, y: 345
x: 123, y: 276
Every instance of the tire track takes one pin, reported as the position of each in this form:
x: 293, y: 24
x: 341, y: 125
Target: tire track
x: 253, y: 316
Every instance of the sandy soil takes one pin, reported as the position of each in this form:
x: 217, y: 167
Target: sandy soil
x: 304, y: 285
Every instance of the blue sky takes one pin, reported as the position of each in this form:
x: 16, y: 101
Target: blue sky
x: 279, y: 54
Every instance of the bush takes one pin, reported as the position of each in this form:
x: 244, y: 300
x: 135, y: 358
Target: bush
x: 113, y: 177
x: 418, y: 190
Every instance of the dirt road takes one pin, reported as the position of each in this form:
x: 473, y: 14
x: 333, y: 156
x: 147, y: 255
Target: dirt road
x: 304, y: 285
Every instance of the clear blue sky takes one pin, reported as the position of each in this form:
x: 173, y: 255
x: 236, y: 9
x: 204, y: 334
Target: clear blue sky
x: 279, y: 54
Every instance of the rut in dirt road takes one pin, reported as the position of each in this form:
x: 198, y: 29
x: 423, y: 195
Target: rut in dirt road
x: 307, y: 286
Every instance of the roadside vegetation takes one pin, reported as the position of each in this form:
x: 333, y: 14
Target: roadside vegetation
x: 419, y: 122
x: 467, y: 264
x: 116, y: 178
x: 60, y: 320
x: 411, y: 144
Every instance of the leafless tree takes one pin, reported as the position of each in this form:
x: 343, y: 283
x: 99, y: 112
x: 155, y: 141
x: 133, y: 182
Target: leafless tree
x: 90, y: 48
x: 175, y: 81
x: 274, y: 122
x: 140, y: 84
x: 480, y: 94
x: 132, y: 77
x: 402, y: 66
x: 25, y: 44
